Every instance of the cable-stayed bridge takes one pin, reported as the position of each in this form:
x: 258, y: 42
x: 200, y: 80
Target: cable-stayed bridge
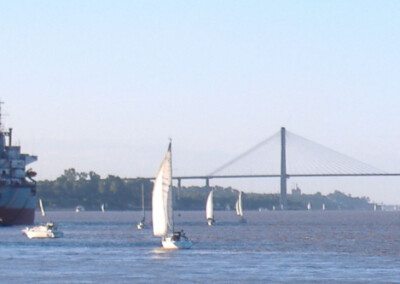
x: 285, y: 155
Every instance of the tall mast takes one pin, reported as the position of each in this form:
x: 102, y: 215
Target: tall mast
x: 171, y: 186
x: 1, y: 126
x: 142, y: 187
x: 283, y: 198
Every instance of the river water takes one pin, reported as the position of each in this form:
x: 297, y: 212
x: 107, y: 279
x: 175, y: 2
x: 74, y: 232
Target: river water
x: 272, y: 247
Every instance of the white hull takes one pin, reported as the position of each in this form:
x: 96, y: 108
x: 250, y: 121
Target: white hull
x: 79, y: 209
x: 140, y: 226
x: 183, y: 243
x: 210, y: 222
x: 41, y: 232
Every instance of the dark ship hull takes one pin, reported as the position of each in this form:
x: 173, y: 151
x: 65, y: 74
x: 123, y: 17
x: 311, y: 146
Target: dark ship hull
x: 17, y: 205
x: 17, y: 188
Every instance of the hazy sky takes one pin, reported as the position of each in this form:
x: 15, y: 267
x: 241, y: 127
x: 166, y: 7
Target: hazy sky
x: 102, y: 85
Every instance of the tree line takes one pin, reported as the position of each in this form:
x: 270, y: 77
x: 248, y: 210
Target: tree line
x: 88, y: 189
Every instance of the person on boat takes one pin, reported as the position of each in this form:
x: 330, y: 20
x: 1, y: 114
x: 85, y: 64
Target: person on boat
x: 183, y: 235
x: 176, y: 236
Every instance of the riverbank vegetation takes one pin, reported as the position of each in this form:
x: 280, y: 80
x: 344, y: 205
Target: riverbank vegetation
x: 88, y: 189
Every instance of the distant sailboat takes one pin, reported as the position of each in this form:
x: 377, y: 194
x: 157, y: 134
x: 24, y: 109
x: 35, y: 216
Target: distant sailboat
x: 141, y: 225
x: 309, y: 206
x: 41, y: 208
x: 162, y: 209
x: 79, y: 208
x: 210, y: 209
x: 323, y: 206
x: 102, y: 207
x: 239, y: 209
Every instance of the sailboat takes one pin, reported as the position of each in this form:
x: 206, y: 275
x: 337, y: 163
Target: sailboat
x: 239, y: 209
x: 141, y: 224
x: 162, y: 208
x: 309, y: 206
x: 103, y: 207
x: 210, y: 209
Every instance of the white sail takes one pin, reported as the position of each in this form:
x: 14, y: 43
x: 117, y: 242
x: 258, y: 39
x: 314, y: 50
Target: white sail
x: 144, y: 213
x: 162, y: 198
x: 239, y: 210
x: 309, y: 206
x: 41, y: 207
x: 210, y: 206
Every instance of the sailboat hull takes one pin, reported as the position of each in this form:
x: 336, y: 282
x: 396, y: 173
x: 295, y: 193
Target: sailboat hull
x: 210, y: 222
x: 169, y: 243
x: 242, y: 220
x: 140, y: 226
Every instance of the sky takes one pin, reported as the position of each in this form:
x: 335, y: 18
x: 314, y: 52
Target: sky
x: 102, y: 85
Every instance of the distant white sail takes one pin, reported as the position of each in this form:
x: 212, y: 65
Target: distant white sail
x: 238, y: 205
x: 309, y: 206
x: 41, y: 207
x: 143, y: 211
x: 162, y: 198
x: 323, y: 206
x: 210, y: 206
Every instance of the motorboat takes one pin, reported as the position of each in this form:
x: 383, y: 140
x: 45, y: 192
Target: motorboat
x: 48, y: 230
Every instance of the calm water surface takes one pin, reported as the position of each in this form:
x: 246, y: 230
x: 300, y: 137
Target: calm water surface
x: 274, y: 247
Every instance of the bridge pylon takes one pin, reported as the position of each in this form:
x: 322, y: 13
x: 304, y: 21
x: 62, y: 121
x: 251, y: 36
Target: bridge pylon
x: 283, y: 197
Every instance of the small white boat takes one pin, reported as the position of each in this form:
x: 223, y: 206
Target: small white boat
x: 323, y: 206
x: 309, y: 206
x: 162, y: 209
x: 79, y: 208
x: 103, y: 207
x: 49, y: 230
x: 239, y: 209
x: 210, y: 209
